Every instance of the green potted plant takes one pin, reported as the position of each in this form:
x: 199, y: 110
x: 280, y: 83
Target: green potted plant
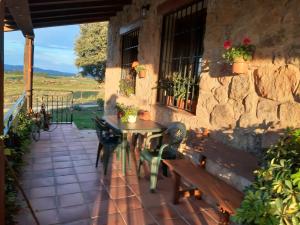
x: 139, y: 69
x: 126, y: 87
x: 238, y: 55
x: 130, y: 114
x: 167, y: 86
x: 180, y: 90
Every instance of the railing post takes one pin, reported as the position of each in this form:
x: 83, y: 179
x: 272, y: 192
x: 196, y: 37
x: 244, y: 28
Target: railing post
x: 28, y: 69
x: 2, y: 161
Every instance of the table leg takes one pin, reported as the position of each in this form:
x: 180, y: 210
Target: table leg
x: 176, y: 188
x: 124, y: 149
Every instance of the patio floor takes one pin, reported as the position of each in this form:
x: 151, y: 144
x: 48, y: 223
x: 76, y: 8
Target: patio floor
x: 64, y: 187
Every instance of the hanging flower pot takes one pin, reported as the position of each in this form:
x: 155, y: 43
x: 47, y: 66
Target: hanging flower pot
x: 239, y: 66
x: 139, y: 69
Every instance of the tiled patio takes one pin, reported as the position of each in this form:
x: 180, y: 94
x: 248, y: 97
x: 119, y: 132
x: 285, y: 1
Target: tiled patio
x: 64, y: 187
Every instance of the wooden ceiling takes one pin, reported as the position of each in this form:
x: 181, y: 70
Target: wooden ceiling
x: 25, y: 15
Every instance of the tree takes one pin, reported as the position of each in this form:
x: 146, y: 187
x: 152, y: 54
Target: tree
x: 90, y: 48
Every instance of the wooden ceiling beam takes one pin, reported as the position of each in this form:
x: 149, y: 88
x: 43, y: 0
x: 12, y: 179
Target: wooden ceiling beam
x: 69, y: 17
x: 70, y: 22
x: 57, y: 2
x: 19, y: 9
x: 100, y: 12
x: 115, y: 5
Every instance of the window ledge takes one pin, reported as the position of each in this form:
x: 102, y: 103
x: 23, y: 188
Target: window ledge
x: 173, y: 109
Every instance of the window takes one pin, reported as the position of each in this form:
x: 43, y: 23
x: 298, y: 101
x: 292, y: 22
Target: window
x: 130, y: 42
x: 181, y: 55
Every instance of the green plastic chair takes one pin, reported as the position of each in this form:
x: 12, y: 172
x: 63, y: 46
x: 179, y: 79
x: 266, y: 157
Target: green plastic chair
x: 176, y: 132
x: 109, y: 142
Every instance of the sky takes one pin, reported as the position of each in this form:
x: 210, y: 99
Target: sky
x: 53, y: 48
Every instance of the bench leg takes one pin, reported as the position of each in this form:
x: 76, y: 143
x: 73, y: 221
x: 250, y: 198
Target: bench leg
x: 224, y: 217
x: 176, y: 188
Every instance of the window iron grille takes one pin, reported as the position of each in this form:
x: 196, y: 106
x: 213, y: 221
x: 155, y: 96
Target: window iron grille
x: 181, y: 56
x: 130, y: 42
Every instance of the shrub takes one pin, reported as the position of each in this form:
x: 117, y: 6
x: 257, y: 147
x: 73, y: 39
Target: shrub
x: 274, y: 197
x: 100, y: 103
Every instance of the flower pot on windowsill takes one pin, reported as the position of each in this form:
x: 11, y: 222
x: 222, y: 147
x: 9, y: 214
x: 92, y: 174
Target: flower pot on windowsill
x: 131, y: 119
x: 144, y: 115
x: 239, y: 66
x: 170, y: 100
x: 180, y: 103
x: 142, y: 74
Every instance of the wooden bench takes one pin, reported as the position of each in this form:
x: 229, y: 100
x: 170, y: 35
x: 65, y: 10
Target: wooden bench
x: 226, y: 197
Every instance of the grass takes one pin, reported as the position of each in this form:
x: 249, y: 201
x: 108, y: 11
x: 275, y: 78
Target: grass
x: 82, y: 118
x: 85, y: 90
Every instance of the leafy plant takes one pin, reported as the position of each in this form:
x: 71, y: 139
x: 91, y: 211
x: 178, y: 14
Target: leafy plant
x: 77, y: 107
x: 16, y: 145
x: 137, y: 67
x: 242, y: 51
x: 126, y: 111
x: 274, y: 198
x: 126, y: 87
x: 100, y: 103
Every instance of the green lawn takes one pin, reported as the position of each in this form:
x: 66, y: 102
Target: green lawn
x: 82, y: 118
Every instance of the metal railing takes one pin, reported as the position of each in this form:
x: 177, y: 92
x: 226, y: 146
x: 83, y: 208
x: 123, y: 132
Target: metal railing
x: 57, y: 104
x: 12, y: 113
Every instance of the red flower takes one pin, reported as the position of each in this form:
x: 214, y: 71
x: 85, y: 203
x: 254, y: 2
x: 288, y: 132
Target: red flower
x: 227, y: 44
x: 246, y: 41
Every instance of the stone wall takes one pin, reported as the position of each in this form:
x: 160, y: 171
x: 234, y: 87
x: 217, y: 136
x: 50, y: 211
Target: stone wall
x: 237, y: 109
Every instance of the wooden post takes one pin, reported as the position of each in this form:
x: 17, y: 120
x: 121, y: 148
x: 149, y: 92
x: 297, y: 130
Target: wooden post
x: 28, y: 70
x: 2, y: 161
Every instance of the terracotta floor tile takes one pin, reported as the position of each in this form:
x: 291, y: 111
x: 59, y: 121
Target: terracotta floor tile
x: 79, y: 222
x: 112, y: 219
x: 41, y: 182
x: 114, y: 182
x: 73, y: 213
x: 164, y: 211
x: 48, y: 217
x: 139, y: 216
x: 88, y: 177
x: 85, y: 162
x: 119, y: 192
x: 59, y: 165
x: 131, y: 179
x: 67, y: 188
x: 128, y: 204
x: 173, y: 222
x: 151, y: 199
x: 66, y: 179
x: 40, y: 204
x: 91, y: 185
x: 79, y: 157
x: 40, y: 192
x: 95, y: 196
x: 61, y: 158
x: 102, y: 208
x: 86, y: 169
x: 64, y: 171
x: 200, y: 219
x: 70, y: 200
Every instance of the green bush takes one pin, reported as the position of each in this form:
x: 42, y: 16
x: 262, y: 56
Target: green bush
x: 16, y: 145
x: 100, y: 103
x: 274, y: 197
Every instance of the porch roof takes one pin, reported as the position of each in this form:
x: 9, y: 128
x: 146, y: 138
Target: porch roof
x: 25, y: 15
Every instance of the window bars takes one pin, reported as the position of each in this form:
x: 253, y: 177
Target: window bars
x: 181, y: 56
x: 130, y: 42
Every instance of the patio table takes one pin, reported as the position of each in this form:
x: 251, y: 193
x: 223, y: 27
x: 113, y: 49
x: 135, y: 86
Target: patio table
x: 140, y: 126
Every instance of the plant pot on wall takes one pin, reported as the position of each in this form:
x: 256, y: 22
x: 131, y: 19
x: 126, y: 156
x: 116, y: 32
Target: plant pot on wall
x: 142, y: 74
x: 239, y: 66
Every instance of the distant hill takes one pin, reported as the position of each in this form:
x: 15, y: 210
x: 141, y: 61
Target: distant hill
x: 12, y: 68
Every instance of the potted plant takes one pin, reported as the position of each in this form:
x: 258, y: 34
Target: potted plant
x: 139, y: 69
x: 238, y: 55
x: 180, y: 90
x: 166, y: 85
x: 130, y: 114
x: 120, y: 109
x: 126, y: 87
x: 144, y: 115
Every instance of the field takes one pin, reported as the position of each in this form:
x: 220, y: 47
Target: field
x: 85, y: 91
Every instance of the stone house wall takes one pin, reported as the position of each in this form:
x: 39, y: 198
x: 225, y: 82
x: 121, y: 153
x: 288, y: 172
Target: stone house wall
x: 236, y: 108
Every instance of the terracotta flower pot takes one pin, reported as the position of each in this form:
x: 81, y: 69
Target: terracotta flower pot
x: 170, y: 100
x: 144, y: 115
x: 120, y: 114
x: 180, y: 103
x: 142, y: 74
x: 239, y: 66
